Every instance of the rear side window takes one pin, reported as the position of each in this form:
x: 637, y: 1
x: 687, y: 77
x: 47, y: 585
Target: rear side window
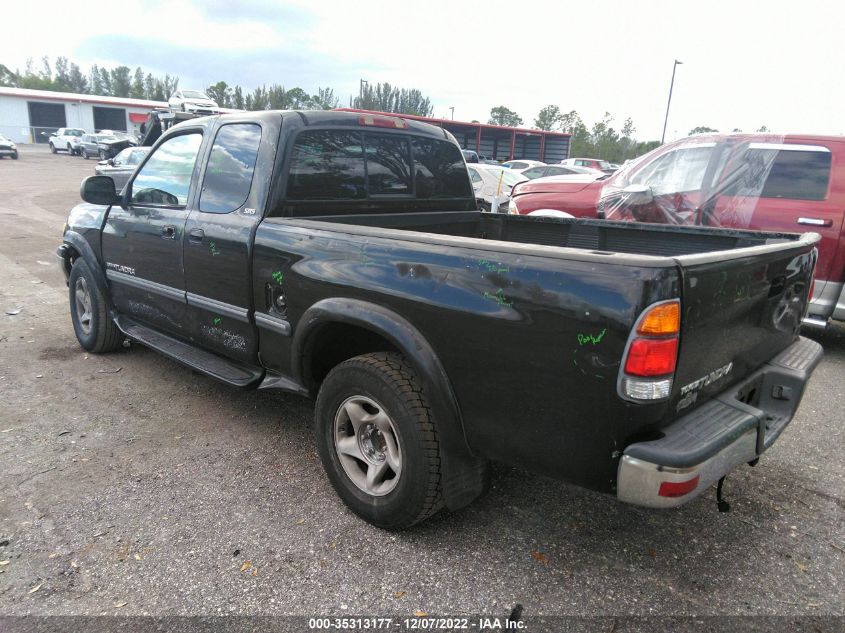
x: 228, y: 176
x: 327, y: 165
x: 798, y: 175
x: 440, y: 171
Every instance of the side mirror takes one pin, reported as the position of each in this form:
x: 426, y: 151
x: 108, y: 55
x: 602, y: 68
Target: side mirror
x: 98, y: 190
x: 45, y: 134
x: 638, y: 195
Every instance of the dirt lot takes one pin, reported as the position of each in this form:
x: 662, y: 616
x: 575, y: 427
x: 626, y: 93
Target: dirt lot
x: 130, y: 485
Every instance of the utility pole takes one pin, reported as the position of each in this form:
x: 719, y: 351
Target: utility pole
x: 452, y: 108
x: 361, y: 91
x: 671, y: 86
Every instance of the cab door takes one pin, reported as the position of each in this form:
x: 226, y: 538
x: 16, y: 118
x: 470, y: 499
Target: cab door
x: 142, y: 243
x: 787, y: 187
x: 218, y: 243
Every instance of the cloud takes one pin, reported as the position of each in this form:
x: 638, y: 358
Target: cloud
x: 199, y: 66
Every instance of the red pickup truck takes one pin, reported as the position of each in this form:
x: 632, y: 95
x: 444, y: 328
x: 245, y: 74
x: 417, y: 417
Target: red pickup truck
x: 793, y: 183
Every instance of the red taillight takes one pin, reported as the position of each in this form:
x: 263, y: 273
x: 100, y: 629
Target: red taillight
x: 652, y: 357
x: 678, y: 488
x: 382, y: 121
x: 812, y: 288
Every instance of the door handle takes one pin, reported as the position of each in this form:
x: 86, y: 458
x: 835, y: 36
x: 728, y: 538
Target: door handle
x: 815, y: 221
x: 196, y: 235
x: 168, y: 232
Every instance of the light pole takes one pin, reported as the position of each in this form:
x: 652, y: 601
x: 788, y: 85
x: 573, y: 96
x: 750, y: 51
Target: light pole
x: 361, y: 91
x: 452, y: 108
x: 671, y: 85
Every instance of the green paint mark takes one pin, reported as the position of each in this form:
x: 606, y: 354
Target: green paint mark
x: 213, y: 247
x: 583, y: 339
x: 278, y: 277
x: 499, y: 298
x: 492, y: 267
x: 366, y: 260
x: 217, y: 321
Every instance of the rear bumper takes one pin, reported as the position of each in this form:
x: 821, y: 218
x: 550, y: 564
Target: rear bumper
x: 734, y: 428
x: 828, y: 301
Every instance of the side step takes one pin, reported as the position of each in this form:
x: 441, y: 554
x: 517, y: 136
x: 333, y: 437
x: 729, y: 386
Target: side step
x: 202, y: 361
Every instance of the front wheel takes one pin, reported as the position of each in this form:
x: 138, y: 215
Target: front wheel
x: 52, y: 148
x: 95, y: 330
x: 15, y: 156
x: 377, y: 441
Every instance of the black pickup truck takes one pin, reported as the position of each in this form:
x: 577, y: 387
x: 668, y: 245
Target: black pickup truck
x: 341, y: 256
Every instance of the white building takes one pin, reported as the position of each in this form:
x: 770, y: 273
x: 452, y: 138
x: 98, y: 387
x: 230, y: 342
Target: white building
x: 25, y: 114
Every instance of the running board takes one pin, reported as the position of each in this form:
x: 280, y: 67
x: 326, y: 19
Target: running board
x: 198, y: 359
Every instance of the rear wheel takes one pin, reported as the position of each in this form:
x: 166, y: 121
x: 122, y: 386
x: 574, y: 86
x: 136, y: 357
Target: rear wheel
x: 377, y: 441
x: 95, y: 330
x: 69, y: 150
x: 84, y: 153
x: 102, y: 155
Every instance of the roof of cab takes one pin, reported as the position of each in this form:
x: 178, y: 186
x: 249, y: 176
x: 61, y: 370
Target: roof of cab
x: 332, y: 118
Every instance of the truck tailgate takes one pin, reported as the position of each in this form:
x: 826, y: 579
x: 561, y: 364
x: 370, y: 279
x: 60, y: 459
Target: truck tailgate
x: 739, y: 309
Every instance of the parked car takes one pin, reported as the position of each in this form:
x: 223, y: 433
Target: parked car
x: 544, y: 171
x: 767, y: 182
x: 104, y: 146
x: 642, y: 361
x: 488, y: 179
x: 593, y: 163
x: 522, y: 165
x: 8, y: 148
x: 64, y: 138
x: 122, y: 166
x: 193, y: 101
x: 471, y: 156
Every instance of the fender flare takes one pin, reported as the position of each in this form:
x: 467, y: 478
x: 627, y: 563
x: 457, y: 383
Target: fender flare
x: 75, y: 241
x: 464, y: 476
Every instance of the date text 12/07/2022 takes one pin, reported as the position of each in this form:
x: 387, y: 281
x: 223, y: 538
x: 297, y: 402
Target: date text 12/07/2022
x: 417, y: 623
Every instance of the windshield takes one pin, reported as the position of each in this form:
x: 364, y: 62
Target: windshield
x: 509, y: 178
x: 194, y: 94
x: 603, y: 164
x: 73, y: 132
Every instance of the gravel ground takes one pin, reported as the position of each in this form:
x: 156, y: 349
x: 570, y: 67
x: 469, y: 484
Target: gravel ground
x: 130, y: 485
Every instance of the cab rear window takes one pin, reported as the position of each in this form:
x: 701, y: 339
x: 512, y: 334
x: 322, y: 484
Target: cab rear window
x: 350, y: 165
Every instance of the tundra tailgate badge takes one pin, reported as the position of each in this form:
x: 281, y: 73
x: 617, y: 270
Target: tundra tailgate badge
x: 690, y: 391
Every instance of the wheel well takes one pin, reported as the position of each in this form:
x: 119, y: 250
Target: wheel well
x: 333, y: 343
x: 68, y: 261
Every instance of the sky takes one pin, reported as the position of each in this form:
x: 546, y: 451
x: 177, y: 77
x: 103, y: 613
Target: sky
x: 745, y: 64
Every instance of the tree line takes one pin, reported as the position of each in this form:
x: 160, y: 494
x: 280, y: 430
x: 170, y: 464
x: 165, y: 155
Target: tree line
x: 122, y: 81
x: 601, y: 140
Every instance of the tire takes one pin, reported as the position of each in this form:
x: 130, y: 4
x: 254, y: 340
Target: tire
x: 52, y: 148
x: 84, y: 153
x: 102, y: 155
x: 95, y: 330
x: 379, y: 386
x: 69, y: 150
x: 15, y: 156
